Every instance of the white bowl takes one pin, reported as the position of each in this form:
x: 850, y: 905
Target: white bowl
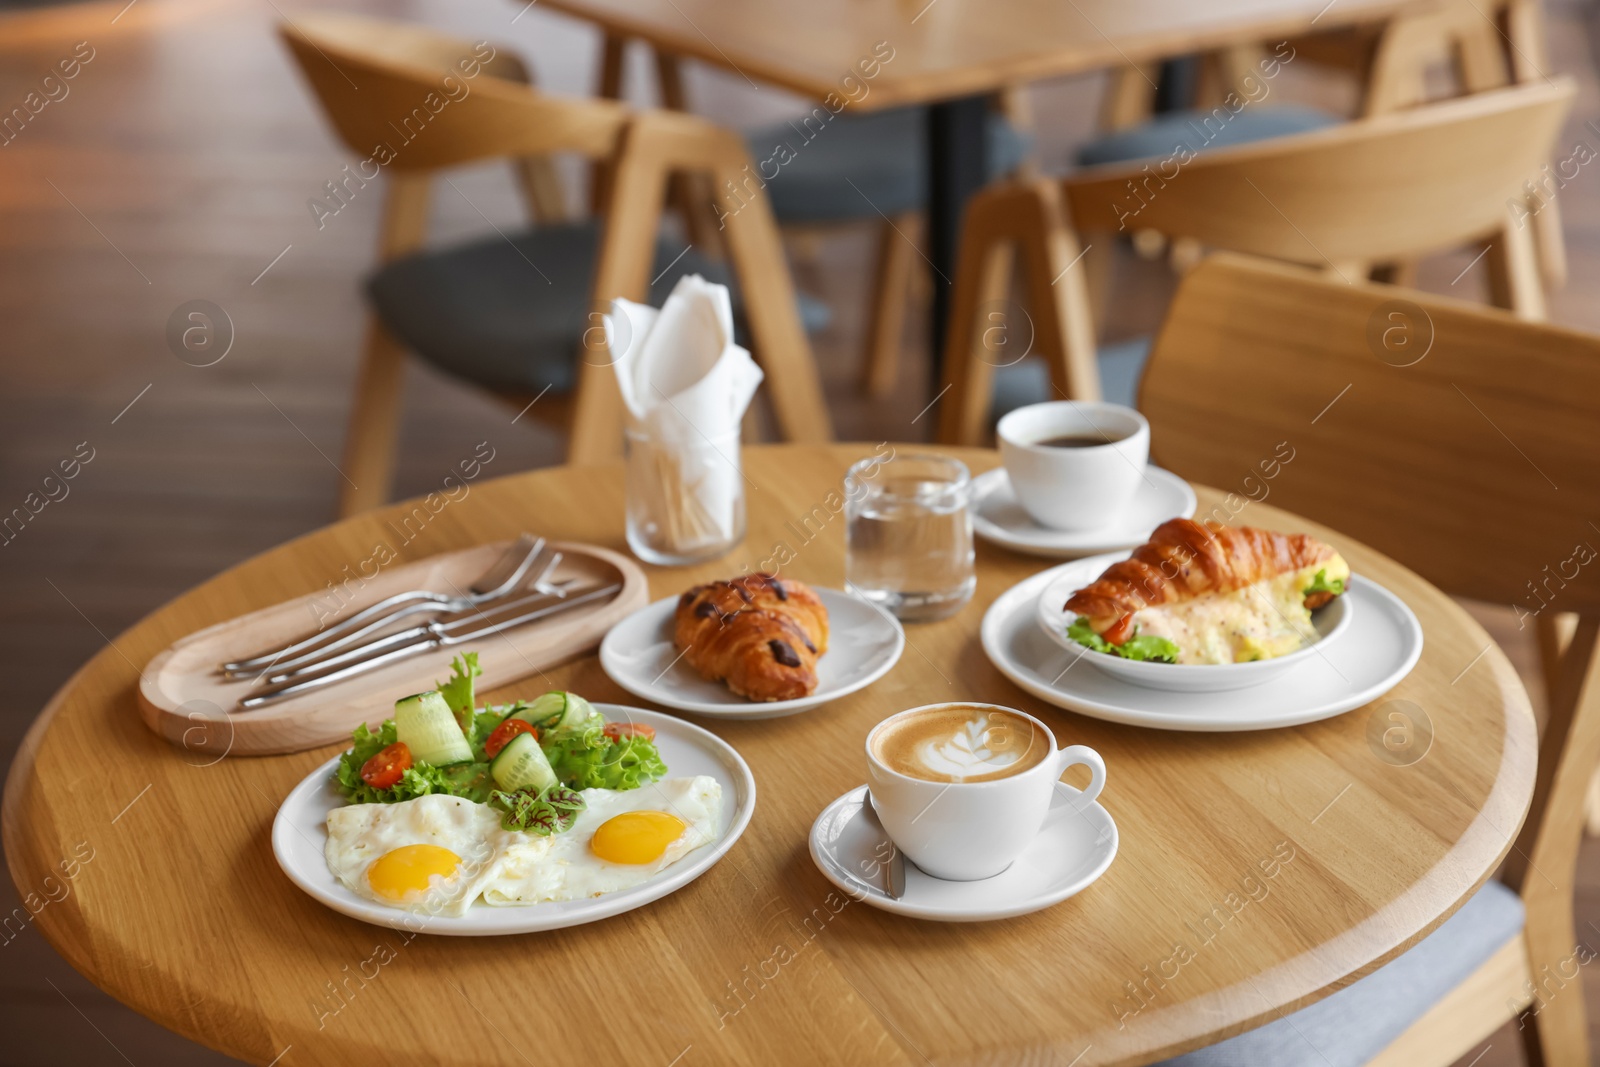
x: 1330, y: 621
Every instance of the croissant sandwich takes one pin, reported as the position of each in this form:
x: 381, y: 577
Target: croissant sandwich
x: 1209, y: 593
x: 760, y: 634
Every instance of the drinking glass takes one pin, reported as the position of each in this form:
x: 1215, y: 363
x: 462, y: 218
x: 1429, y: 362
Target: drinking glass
x: 908, y: 534
x: 685, y: 498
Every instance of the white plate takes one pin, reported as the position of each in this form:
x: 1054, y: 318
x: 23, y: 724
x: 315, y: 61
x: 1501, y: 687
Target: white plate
x: 1330, y: 622
x: 864, y: 642
x: 300, y: 832
x: 997, y: 517
x: 1071, y: 851
x: 1380, y: 648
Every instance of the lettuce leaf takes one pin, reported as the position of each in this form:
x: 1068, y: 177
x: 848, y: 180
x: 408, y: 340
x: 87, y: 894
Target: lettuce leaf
x: 545, y: 812
x: 1081, y: 632
x: 1321, y: 584
x: 470, y: 780
x: 1148, y: 648
x: 457, y: 692
x: 593, y: 761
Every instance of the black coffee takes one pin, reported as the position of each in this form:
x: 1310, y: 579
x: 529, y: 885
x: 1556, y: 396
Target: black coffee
x: 1077, y: 440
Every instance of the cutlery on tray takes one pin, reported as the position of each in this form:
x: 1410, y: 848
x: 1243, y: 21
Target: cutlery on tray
x: 327, y: 656
x: 538, y: 612
x: 498, y: 581
x: 482, y: 622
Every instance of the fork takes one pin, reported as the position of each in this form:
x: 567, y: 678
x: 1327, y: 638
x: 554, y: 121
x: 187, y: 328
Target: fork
x: 498, y: 581
x: 321, y: 658
x: 435, y: 634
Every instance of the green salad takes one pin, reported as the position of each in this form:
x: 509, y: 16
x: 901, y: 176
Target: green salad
x: 1322, y: 584
x: 528, y: 760
x: 1142, y: 647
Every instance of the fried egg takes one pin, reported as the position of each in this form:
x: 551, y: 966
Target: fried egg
x: 620, y: 840
x: 433, y: 854
x: 1260, y: 621
x: 438, y: 854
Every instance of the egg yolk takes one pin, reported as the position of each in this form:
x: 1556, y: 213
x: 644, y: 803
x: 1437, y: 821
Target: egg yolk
x: 407, y: 871
x: 636, y: 836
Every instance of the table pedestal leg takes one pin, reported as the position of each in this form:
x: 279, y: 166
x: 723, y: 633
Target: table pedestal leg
x: 958, y: 151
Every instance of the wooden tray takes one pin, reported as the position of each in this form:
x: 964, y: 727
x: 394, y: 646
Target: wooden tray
x: 184, y: 698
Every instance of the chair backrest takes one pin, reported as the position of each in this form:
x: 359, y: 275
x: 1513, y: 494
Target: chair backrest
x: 1454, y: 437
x: 1378, y: 189
x: 1457, y: 439
x: 1459, y: 31
x: 412, y: 99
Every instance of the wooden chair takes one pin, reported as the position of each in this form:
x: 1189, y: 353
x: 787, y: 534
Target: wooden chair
x: 1344, y: 199
x: 429, y: 103
x: 1443, y: 448
x: 859, y: 168
x: 1485, y: 44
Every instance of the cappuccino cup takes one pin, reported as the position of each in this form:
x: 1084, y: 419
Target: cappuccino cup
x: 963, y: 788
x: 1074, y: 465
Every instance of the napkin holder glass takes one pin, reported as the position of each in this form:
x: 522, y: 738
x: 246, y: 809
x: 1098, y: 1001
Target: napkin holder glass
x: 685, y: 498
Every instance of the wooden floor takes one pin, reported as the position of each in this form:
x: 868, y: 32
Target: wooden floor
x: 178, y: 167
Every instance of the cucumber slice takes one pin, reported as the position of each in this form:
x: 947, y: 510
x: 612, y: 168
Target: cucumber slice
x: 559, y: 714
x: 522, y: 765
x: 429, y: 729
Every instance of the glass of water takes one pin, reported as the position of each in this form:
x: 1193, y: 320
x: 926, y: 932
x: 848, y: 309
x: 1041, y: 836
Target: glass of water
x: 908, y: 534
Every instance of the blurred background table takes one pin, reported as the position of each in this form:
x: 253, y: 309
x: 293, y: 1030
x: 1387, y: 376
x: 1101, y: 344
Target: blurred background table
x: 949, y: 54
x: 182, y: 913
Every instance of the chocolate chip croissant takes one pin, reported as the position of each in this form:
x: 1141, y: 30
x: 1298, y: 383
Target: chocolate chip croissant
x: 760, y: 634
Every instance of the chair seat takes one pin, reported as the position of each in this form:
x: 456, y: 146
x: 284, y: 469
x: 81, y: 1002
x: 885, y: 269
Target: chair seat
x: 1199, y: 130
x: 1028, y: 382
x: 1352, y: 1026
x: 881, y: 154
x: 509, y: 313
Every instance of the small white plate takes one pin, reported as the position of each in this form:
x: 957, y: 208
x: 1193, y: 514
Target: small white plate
x: 1381, y: 646
x: 997, y: 517
x: 864, y: 642
x: 1330, y: 622
x: 300, y: 833
x: 1071, y: 851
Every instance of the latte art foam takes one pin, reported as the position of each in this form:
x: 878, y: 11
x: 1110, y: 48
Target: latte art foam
x: 966, y: 753
x: 960, y: 743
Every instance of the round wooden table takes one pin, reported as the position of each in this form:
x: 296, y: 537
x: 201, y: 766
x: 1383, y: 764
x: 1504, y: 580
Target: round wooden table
x: 180, y: 911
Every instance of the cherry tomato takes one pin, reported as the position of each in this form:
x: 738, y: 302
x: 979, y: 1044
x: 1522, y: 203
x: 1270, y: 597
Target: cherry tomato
x: 618, y: 730
x: 504, y: 733
x: 1121, y: 631
x: 387, y: 767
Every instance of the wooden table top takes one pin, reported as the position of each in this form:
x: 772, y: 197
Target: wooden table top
x: 949, y: 48
x: 176, y: 906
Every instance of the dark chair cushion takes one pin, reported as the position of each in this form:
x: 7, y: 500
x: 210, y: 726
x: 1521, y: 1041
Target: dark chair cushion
x: 854, y: 166
x: 509, y: 313
x: 1199, y: 130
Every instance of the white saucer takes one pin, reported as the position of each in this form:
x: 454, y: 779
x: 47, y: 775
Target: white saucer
x: 1377, y: 650
x: 1330, y: 622
x: 864, y: 642
x: 300, y: 833
x: 997, y: 517
x: 1071, y: 851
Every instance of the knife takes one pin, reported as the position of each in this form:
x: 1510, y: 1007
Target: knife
x: 436, y: 637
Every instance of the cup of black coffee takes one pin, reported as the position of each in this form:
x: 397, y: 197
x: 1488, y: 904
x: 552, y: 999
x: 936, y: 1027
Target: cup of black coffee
x: 1074, y: 465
